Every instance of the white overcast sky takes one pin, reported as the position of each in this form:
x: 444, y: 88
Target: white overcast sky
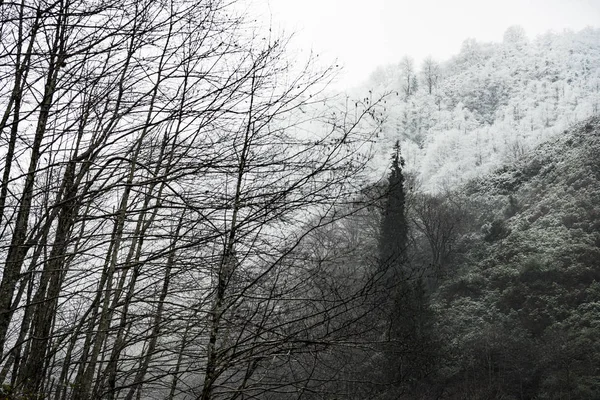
x: 363, y: 34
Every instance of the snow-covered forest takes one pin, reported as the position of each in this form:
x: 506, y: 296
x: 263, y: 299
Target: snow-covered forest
x: 187, y: 211
x: 458, y: 119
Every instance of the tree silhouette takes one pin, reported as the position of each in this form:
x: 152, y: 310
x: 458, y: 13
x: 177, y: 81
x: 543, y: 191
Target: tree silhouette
x: 394, y: 232
x: 409, y: 348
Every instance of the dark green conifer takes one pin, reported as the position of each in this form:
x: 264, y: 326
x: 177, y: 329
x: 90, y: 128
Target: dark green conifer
x: 411, y: 350
x: 394, y: 233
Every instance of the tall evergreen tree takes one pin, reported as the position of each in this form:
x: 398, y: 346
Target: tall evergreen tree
x: 394, y: 230
x: 410, y: 351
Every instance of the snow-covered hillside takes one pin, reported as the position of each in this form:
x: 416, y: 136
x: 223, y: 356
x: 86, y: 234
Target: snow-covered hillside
x: 487, y: 105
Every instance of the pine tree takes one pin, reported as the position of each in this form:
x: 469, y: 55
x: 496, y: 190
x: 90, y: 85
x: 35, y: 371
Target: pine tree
x: 394, y: 233
x: 411, y: 350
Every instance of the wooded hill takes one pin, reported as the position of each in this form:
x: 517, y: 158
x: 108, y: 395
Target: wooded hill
x: 488, y: 105
x: 520, y: 314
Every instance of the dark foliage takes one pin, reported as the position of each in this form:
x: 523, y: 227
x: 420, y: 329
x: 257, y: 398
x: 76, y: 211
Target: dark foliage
x: 520, y: 319
x: 394, y: 228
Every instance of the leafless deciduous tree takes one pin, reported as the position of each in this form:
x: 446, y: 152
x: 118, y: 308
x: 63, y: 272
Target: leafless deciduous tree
x: 166, y: 172
x: 409, y: 77
x: 430, y: 72
x: 441, y: 220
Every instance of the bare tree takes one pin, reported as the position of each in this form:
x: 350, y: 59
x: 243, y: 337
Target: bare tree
x: 441, y: 219
x: 409, y: 78
x: 165, y: 167
x: 430, y: 72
